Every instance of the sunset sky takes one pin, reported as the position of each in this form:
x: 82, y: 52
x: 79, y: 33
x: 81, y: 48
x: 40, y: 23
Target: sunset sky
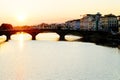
x: 30, y: 12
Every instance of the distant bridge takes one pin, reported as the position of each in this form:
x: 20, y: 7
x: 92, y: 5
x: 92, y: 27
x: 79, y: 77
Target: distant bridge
x: 34, y: 32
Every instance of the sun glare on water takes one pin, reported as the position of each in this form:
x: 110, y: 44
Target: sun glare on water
x: 21, y: 37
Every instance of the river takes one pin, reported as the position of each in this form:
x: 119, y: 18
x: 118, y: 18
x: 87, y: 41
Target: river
x: 57, y: 60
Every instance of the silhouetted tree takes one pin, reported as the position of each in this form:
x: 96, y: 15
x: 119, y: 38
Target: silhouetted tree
x: 6, y: 26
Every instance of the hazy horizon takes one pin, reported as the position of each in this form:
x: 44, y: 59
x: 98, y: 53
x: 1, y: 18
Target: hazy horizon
x: 31, y: 12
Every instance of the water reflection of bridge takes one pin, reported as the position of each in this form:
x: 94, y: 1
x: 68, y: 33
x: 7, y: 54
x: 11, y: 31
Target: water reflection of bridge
x: 34, y: 32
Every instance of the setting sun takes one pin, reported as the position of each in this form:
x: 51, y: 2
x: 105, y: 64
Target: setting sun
x: 21, y: 17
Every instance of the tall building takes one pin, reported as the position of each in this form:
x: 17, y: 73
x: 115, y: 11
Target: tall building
x: 90, y: 22
x: 109, y: 23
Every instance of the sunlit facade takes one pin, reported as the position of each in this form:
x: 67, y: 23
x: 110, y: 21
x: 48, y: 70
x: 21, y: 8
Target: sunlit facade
x: 86, y: 22
x: 90, y: 21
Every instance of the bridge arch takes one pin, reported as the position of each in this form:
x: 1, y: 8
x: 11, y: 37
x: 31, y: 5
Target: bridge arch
x: 34, y: 32
x: 48, y: 36
x: 21, y: 36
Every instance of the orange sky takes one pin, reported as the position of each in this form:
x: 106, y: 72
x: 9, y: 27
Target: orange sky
x: 30, y: 12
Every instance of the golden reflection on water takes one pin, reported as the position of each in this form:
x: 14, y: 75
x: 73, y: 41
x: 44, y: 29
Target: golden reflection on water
x: 47, y: 36
x: 57, y: 60
x: 14, y: 60
x: 21, y: 37
x: 20, y: 68
x: 21, y: 44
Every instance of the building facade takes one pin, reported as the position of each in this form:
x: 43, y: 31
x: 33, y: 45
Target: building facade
x: 73, y: 24
x: 90, y: 22
x: 118, y: 17
x: 109, y: 23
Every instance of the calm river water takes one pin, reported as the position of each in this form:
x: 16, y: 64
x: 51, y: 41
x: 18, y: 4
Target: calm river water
x: 58, y: 60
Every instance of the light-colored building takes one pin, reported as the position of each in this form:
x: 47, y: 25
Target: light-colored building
x: 54, y: 26
x: 109, y: 23
x: 86, y: 23
x: 73, y: 24
x: 43, y: 26
x: 90, y: 22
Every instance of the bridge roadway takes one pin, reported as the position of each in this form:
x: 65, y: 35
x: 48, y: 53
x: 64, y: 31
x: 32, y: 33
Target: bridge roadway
x: 61, y: 33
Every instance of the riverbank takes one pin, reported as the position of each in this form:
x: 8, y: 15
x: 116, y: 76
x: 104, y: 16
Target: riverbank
x: 105, y: 39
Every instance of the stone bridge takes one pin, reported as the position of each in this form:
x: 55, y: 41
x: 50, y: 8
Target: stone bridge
x: 61, y: 33
x: 34, y: 32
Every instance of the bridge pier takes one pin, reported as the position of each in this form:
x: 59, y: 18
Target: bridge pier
x: 33, y: 37
x: 8, y: 37
x: 62, y: 37
x: 61, y: 34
